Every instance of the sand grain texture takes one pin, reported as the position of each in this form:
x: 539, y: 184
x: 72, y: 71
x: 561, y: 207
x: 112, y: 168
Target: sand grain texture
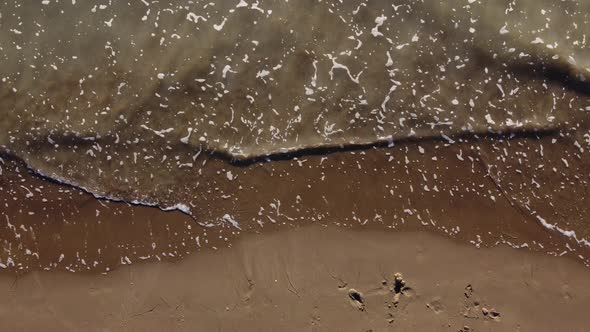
x: 299, y: 280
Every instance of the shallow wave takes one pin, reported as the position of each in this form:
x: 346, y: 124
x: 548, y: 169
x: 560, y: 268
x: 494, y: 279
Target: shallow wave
x: 120, y: 98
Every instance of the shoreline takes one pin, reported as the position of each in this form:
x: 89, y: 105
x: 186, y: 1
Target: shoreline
x: 474, y: 192
x: 295, y: 166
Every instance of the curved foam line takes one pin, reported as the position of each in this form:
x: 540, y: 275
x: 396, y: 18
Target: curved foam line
x: 181, y: 207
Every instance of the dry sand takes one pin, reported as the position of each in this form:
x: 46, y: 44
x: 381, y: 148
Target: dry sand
x: 301, y: 280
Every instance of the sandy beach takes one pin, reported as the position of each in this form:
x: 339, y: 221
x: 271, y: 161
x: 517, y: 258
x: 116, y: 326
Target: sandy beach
x: 96, y: 265
x: 301, y: 279
x: 302, y: 165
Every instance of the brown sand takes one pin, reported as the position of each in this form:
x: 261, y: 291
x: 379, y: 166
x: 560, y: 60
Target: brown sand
x: 317, y: 252
x: 477, y: 192
x: 286, y: 169
x: 299, y: 280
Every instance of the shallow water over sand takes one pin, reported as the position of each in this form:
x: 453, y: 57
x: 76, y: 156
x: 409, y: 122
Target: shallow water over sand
x: 119, y: 97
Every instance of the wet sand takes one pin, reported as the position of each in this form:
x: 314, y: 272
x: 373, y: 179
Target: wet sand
x: 300, y: 279
x: 475, y: 191
x: 291, y: 253
x: 249, y: 166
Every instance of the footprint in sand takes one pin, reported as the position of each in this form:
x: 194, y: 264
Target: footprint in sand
x: 356, y: 299
x: 468, y: 291
x: 400, y: 288
x: 566, y: 292
x: 491, y: 313
x: 436, y: 305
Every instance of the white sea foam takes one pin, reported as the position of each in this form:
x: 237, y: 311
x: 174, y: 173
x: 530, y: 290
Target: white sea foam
x: 567, y: 233
x: 176, y: 207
